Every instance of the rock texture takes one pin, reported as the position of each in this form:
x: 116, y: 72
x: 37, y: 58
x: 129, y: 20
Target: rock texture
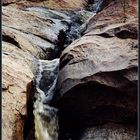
x: 16, y: 73
x: 28, y: 34
x: 109, y: 132
x: 98, y: 73
x: 97, y: 82
x: 52, y: 4
x: 41, y: 27
x: 101, y: 4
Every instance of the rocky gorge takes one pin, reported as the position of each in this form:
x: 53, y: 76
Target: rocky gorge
x: 69, y: 69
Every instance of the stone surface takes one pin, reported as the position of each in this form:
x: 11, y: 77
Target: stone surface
x: 97, y: 81
x: 52, y: 4
x: 45, y: 116
x: 98, y: 75
x: 14, y: 68
x: 28, y: 34
x: 107, y: 50
x: 109, y: 132
x: 116, y: 14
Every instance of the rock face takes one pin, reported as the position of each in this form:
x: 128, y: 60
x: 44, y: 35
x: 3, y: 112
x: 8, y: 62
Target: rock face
x: 52, y: 4
x: 97, y: 82
x: 30, y: 32
x: 109, y: 132
x: 14, y: 68
x: 41, y: 27
x: 98, y: 75
x: 39, y: 35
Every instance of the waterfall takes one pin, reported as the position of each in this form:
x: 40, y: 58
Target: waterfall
x: 46, y: 72
x: 46, y: 121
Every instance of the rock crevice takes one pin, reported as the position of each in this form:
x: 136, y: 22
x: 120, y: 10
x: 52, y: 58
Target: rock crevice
x: 92, y: 93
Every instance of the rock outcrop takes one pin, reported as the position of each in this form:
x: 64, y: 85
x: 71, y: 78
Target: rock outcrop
x: 109, y: 132
x: 96, y: 93
x: 98, y: 75
x: 28, y: 34
x: 52, y: 4
x: 16, y: 73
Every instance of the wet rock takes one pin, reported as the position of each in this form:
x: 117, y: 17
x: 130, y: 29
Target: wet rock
x: 98, y: 72
x: 97, y: 5
x: 45, y: 78
x: 114, y: 56
x: 117, y: 14
x: 34, y: 22
x: 78, y: 19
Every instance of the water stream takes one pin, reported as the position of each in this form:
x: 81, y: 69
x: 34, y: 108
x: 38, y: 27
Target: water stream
x: 46, y: 72
x: 46, y: 121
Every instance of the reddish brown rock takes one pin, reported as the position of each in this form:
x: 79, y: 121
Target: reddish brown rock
x: 116, y: 14
x: 98, y: 72
x: 52, y: 4
x: 6, y: 2
x: 27, y: 35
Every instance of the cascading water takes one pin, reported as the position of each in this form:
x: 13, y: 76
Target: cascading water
x: 46, y: 121
x: 45, y: 116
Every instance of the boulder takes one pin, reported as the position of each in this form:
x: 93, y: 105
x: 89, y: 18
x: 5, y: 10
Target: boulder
x: 94, y: 56
x: 98, y: 75
x: 116, y: 14
x: 98, y: 82
x: 40, y: 22
x: 28, y: 34
x: 110, y: 132
x: 14, y: 68
x: 6, y: 2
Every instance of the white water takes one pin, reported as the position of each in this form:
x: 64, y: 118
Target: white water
x: 46, y: 121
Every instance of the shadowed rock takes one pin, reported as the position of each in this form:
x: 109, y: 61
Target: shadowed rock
x: 98, y: 75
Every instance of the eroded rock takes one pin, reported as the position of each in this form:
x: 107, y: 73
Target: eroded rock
x: 52, y: 4
x: 98, y: 73
x: 97, y: 82
x: 33, y: 23
x: 14, y: 68
x: 28, y: 34
x: 109, y: 132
